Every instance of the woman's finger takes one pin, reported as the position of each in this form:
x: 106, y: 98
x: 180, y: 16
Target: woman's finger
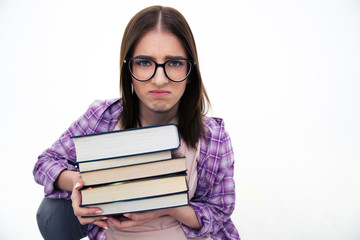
x: 102, y: 223
x: 121, y: 224
x: 148, y: 215
x: 81, y: 212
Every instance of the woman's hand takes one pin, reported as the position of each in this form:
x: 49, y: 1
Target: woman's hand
x: 136, y: 219
x: 185, y: 215
x: 80, y: 212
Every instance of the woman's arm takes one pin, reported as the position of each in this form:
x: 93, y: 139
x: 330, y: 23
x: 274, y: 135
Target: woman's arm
x: 66, y: 180
x: 54, y: 171
x: 185, y: 215
x: 54, y: 161
x: 214, y: 199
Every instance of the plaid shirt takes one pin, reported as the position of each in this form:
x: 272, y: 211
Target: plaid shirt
x: 214, y: 199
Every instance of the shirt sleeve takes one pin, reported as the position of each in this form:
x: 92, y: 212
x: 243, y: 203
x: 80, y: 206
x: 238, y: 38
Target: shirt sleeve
x: 214, y: 200
x: 56, y: 159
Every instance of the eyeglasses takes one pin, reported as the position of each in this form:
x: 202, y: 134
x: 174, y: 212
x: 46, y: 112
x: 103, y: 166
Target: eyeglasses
x: 143, y: 69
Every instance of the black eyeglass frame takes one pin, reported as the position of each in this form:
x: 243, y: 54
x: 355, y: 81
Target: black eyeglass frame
x: 191, y: 65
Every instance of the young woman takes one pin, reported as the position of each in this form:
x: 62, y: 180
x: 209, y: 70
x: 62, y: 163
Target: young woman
x: 160, y: 83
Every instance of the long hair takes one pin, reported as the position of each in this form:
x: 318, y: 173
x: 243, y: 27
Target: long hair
x: 194, y: 102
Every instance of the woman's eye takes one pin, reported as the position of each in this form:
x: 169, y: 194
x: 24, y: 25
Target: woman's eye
x: 175, y: 63
x: 143, y: 63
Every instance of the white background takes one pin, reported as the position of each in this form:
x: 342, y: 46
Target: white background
x: 283, y: 74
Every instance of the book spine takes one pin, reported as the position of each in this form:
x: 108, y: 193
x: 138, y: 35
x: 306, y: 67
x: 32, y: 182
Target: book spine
x: 137, y: 199
x: 176, y: 174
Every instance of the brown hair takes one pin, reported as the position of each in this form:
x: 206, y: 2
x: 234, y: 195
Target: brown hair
x: 194, y: 102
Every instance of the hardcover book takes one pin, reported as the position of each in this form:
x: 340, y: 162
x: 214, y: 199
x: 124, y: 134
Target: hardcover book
x: 126, y: 142
x: 144, y: 204
x: 134, y: 172
x: 135, y: 189
x: 123, y: 161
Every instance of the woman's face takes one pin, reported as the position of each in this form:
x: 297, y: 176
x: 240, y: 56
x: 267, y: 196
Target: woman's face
x: 159, y: 94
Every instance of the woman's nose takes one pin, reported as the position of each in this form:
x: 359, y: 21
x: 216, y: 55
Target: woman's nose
x: 159, y: 77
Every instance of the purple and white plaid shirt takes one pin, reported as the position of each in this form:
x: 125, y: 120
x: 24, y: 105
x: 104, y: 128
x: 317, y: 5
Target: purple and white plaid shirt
x: 214, y: 199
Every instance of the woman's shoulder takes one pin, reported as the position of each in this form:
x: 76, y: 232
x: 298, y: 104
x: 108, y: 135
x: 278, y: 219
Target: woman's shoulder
x: 100, y: 116
x: 213, y: 121
x: 99, y: 105
x: 107, y: 108
x: 213, y: 126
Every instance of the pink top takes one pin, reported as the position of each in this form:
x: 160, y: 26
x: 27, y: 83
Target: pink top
x: 164, y: 227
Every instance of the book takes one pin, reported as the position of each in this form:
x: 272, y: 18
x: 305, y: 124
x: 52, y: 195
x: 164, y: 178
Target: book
x: 126, y: 142
x: 145, y: 204
x: 134, y: 189
x: 123, y: 161
x: 133, y: 172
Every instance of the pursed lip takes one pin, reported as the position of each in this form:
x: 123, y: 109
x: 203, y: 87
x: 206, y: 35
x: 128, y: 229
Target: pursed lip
x: 159, y: 93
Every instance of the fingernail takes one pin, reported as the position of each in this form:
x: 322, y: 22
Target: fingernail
x: 98, y: 212
x: 105, y: 218
x: 77, y: 186
x: 106, y: 228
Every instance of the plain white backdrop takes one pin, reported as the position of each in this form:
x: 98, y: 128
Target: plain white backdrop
x: 285, y: 76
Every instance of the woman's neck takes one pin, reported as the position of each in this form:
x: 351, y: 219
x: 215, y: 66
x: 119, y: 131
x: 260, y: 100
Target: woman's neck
x: 149, y: 117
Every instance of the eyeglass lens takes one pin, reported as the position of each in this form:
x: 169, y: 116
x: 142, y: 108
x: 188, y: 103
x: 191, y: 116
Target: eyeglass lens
x: 144, y: 69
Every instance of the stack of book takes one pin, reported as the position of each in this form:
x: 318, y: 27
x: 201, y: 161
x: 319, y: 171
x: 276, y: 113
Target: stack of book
x: 132, y: 170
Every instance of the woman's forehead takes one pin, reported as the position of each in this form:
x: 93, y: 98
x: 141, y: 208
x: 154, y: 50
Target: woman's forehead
x: 159, y: 45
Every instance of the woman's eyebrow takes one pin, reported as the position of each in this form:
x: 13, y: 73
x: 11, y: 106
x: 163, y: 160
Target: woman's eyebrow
x: 168, y: 57
x: 145, y: 56
x: 174, y: 57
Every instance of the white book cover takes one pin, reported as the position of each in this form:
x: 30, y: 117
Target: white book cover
x: 126, y: 142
